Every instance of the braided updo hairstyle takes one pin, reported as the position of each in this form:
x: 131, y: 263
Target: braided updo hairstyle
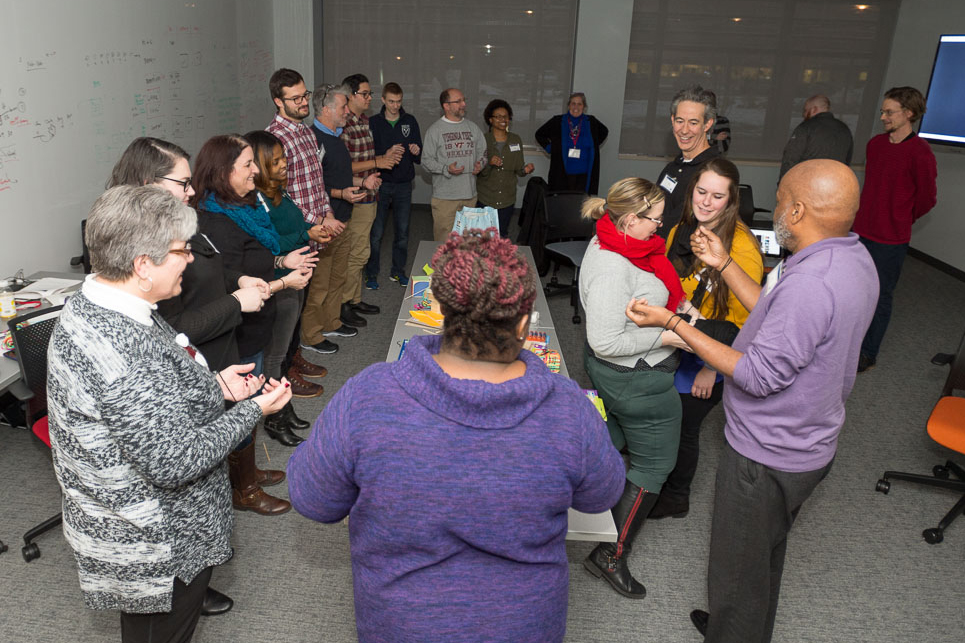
x: 484, y: 286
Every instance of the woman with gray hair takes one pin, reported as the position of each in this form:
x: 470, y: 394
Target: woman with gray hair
x: 138, y: 427
x: 573, y: 140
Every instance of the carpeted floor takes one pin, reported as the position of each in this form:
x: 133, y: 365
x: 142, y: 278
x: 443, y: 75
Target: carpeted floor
x: 857, y: 567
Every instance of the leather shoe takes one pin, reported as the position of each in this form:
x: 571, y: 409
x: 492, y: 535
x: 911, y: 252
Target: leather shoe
x: 603, y: 563
x: 700, y: 618
x: 302, y: 387
x: 349, y: 317
x: 865, y: 363
x: 670, y: 505
x: 215, y: 603
x: 282, y: 432
x: 295, y: 422
x: 306, y: 368
x: 366, y: 309
x: 269, y: 477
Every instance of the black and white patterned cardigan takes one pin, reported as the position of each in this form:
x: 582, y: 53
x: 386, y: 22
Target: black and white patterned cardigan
x: 139, y: 434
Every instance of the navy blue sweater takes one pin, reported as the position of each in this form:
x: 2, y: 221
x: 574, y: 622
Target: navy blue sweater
x: 406, y: 131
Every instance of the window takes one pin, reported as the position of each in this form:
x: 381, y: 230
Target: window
x: 516, y: 50
x: 763, y: 59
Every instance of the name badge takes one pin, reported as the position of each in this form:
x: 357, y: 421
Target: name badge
x: 514, y: 147
x: 668, y: 183
x: 574, y: 153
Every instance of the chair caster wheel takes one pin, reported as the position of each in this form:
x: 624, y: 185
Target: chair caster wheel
x: 30, y: 552
x: 883, y: 486
x: 940, y: 471
x: 577, y: 319
x: 933, y: 536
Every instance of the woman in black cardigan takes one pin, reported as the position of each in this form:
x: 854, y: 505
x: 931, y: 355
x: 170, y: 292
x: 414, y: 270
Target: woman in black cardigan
x: 573, y: 140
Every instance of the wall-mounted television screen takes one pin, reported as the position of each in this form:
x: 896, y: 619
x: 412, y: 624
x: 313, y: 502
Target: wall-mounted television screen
x: 943, y: 122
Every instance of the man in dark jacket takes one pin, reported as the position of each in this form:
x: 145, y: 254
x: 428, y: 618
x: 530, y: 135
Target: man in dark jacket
x: 692, y: 115
x: 393, y: 129
x: 819, y: 136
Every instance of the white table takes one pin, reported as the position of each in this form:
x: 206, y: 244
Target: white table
x: 591, y: 527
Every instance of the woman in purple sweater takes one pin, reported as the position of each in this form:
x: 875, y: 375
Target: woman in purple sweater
x: 457, y: 465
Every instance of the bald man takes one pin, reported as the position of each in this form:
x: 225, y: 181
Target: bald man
x: 789, y: 373
x: 819, y: 136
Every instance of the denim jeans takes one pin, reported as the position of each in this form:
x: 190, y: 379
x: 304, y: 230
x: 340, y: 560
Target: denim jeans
x: 888, y: 260
x: 398, y: 196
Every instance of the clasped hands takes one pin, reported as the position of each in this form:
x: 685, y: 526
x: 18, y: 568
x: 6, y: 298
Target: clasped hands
x: 237, y: 383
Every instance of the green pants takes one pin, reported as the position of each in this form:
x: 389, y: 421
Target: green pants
x: 643, y: 415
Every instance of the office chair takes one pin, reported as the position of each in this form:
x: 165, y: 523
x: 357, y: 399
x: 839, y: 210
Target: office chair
x: 567, y: 237
x: 746, y: 208
x: 946, y: 426
x: 31, y: 335
x: 83, y: 259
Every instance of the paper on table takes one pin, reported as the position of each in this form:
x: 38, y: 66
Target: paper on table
x: 53, y: 289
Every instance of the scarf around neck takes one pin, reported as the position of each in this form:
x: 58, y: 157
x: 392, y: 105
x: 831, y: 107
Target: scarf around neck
x: 680, y: 253
x: 646, y: 255
x: 254, y: 221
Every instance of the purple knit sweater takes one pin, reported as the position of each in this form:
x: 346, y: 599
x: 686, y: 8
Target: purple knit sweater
x: 458, y: 493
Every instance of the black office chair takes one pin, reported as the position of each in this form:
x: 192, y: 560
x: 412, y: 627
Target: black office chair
x: 567, y: 237
x: 946, y: 426
x: 747, y: 209
x: 83, y: 259
x: 31, y: 335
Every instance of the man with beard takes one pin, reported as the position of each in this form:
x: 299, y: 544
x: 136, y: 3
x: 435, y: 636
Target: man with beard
x: 789, y: 374
x: 899, y: 189
x: 454, y: 153
x: 321, y: 313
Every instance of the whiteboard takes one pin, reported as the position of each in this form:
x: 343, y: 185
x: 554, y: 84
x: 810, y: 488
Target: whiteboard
x: 80, y: 79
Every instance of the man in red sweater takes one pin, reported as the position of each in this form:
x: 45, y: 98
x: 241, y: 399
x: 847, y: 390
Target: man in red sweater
x: 899, y: 188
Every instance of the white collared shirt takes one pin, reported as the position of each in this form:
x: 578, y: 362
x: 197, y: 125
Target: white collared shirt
x: 113, y: 298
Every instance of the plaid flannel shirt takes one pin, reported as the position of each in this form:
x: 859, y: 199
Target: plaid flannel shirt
x: 361, y: 146
x: 306, y: 186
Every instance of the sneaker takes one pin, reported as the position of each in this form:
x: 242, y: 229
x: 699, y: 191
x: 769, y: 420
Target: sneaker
x: 372, y: 282
x: 324, y: 347
x: 342, y: 331
x: 402, y: 280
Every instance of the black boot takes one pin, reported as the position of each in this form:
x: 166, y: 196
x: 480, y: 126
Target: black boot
x: 287, y: 414
x: 215, y: 603
x: 609, y: 560
x: 278, y: 429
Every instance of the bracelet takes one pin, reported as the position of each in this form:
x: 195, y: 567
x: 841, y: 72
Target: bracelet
x: 280, y: 261
x: 667, y: 325
x: 674, y: 329
x: 726, y: 263
x: 283, y: 284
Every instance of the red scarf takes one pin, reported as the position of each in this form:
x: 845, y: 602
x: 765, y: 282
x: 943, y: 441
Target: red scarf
x: 646, y: 255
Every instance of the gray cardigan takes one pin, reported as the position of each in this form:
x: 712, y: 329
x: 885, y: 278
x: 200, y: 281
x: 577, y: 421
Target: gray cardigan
x: 139, y: 436
x: 607, y: 283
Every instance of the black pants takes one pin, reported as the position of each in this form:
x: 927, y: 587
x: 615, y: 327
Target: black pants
x: 754, y: 508
x: 694, y: 411
x: 176, y: 626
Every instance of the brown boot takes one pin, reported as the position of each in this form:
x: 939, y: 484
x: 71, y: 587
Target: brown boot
x: 306, y: 368
x: 267, y: 477
x: 302, y: 387
x: 246, y: 493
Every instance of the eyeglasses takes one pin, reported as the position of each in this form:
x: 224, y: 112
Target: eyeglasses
x: 299, y: 99
x: 659, y: 222
x: 365, y: 94
x: 184, y: 252
x: 184, y: 183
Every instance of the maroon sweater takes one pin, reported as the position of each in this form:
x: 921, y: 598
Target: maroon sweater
x: 899, y: 187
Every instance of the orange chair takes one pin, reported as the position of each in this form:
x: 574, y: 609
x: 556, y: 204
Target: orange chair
x: 31, y: 335
x: 946, y: 426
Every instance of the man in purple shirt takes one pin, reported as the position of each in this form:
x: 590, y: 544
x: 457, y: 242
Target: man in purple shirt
x: 789, y: 374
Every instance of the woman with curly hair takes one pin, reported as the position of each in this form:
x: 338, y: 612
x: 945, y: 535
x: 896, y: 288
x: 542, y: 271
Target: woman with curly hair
x: 458, y: 464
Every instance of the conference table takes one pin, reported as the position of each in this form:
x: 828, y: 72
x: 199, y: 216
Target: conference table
x: 10, y: 368
x: 590, y: 527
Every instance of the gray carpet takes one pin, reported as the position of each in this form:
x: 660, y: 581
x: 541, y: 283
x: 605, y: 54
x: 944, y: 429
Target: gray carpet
x: 857, y: 567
